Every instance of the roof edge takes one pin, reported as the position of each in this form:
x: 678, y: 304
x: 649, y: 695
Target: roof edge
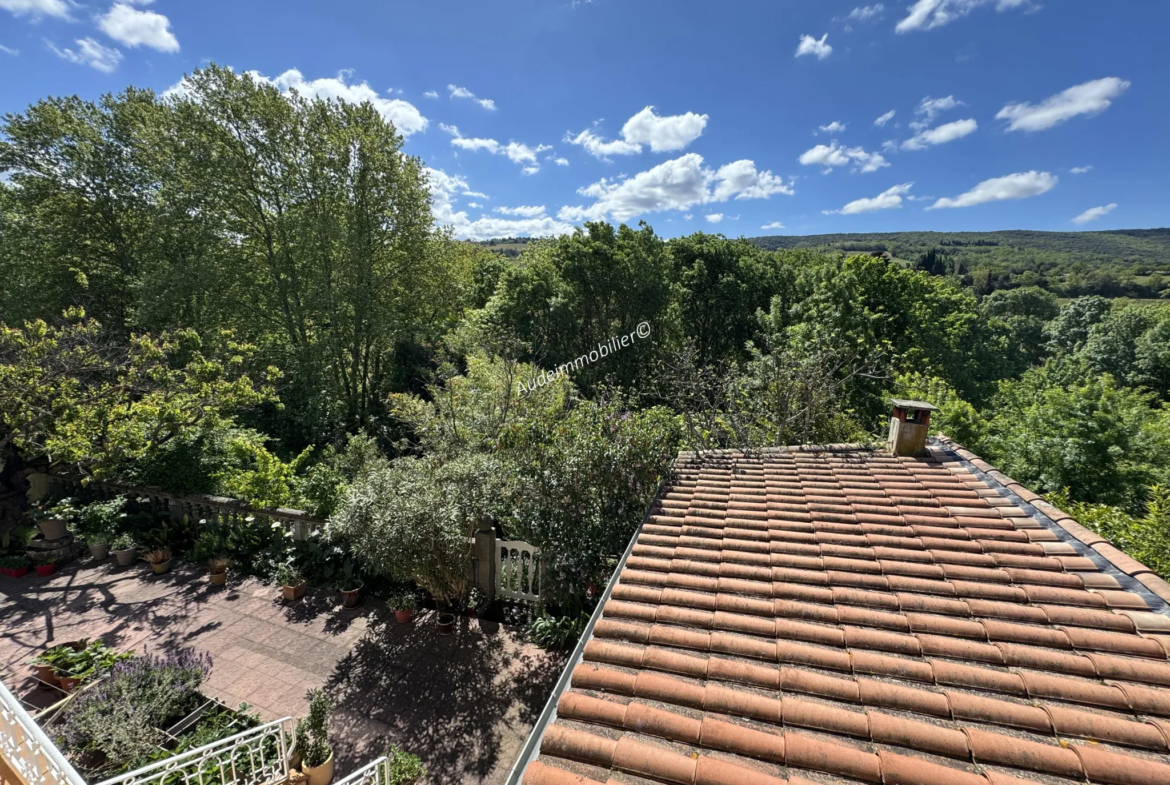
x: 1122, y: 561
x: 806, y: 448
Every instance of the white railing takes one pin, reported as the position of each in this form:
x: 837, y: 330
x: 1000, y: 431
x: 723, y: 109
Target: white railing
x: 373, y: 773
x: 258, y: 756
x: 26, y: 749
x: 518, y: 574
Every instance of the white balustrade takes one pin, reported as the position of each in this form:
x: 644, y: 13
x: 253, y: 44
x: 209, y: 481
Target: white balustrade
x: 27, y: 750
x: 518, y: 572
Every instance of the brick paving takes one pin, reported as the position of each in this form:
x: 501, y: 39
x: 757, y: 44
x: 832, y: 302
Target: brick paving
x: 463, y: 702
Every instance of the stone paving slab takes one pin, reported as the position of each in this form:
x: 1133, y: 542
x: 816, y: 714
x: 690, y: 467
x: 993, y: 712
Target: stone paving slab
x: 463, y: 702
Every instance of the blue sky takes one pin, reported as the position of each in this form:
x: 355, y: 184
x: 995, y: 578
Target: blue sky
x: 746, y: 117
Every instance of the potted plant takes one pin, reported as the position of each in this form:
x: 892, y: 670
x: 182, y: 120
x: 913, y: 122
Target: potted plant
x: 160, y: 559
x: 97, y: 522
x: 446, y: 622
x: 290, y: 578
x: 402, y: 768
x: 53, y: 521
x: 125, y: 551
x: 14, y: 566
x: 312, y: 740
x: 211, y: 548
x: 351, y: 586
x: 404, y: 604
x: 45, y: 565
x: 55, y: 660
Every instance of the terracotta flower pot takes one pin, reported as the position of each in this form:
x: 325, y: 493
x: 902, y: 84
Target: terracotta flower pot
x: 446, y: 623
x: 99, y: 551
x: 217, y: 578
x: 52, y: 529
x: 294, y: 592
x: 46, y: 674
x: 351, y: 598
x: 68, y: 683
x: 403, y: 617
x: 160, y: 567
x: 45, y: 570
x: 320, y: 775
x: 126, y: 556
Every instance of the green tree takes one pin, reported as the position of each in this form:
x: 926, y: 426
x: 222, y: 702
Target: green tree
x: 1024, y: 313
x: 1069, y: 331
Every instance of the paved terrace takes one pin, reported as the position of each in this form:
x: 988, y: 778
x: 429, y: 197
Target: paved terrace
x: 464, y: 703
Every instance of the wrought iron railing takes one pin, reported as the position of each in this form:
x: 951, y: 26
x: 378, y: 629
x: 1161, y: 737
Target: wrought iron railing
x: 27, y: 750
x: 258, y: 756
x: 373, y: 773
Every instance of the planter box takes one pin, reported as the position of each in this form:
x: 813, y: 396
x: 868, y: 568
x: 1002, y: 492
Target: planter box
x: 14, y: 572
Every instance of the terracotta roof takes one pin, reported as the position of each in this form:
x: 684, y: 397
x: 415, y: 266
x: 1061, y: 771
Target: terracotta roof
x: 849, y: 616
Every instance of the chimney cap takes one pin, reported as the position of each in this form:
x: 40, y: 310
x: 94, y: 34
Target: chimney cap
x: 922, y: 406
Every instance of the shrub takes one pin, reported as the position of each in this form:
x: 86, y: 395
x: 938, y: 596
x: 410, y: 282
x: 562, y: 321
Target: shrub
x: 558, y: 632
x: 312, y: 731
x: 98, y: 522
x: 402, y: 768
x: 124, y: 718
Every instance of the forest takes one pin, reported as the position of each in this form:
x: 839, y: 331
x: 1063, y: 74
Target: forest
x: 244, y: 293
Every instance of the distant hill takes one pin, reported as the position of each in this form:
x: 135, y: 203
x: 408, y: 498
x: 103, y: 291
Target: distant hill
x: 1123, y: 245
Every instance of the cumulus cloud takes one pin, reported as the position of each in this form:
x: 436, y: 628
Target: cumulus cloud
x: 929, y: 14
x: 561, y: 161
x: 833, y: 155
x: 887, y: 117
x: 1014, y: 186
x: 714, y: 218
x: 476, y: 205
x: 1093, y: 213
x: 445, y: 188
x: 462, y: 92
x: 834, y: 127
x: 773, y: 225
x: 430, y: 94
x: 676, y: 184
x: 37, y: 8
x: 516, y: 152
x: 662, y: 134
x: 1089, y: 98
x: 947, y: 132
x: 406, y: 118
x: 90, y: 52
x: 1080, y: 169
x: 134, y: 28
x: 811, y: 46
x: 888, y: 199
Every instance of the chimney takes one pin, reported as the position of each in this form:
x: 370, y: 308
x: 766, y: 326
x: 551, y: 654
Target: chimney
x: 909, y: 424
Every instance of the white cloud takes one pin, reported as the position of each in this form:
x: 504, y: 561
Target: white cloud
x: 1089, y: 98
x: 561, y: 161
x: 664, y: 134
x: 516, y: 152
x: 676, y: 184
x: 406, y: 118
x: 37, y: 8
x: 930, y: 108
x: 1014, y: 186
x: 773, y: 225
x: 445, y: 188
x: 811, y: 46
x: 1093, y: 213
x: 887, y: 117
x: 947, y: 132
x: 463, y: 92
x: 522, y: 212
x: 714, y: 218
x: 834, y: 155
x: 834, y: 127
x: 430, y: 94
x: 1080, y: 170
x: 8, y: 51
x: 90, y: 52
x: 865, y: 13
x: 887, y: 200
x: 476, y: 205
x: 929, y: 14
x: 138, y: 28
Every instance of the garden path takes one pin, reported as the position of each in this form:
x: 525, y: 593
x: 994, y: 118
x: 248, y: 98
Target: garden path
x: 463, y: 702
